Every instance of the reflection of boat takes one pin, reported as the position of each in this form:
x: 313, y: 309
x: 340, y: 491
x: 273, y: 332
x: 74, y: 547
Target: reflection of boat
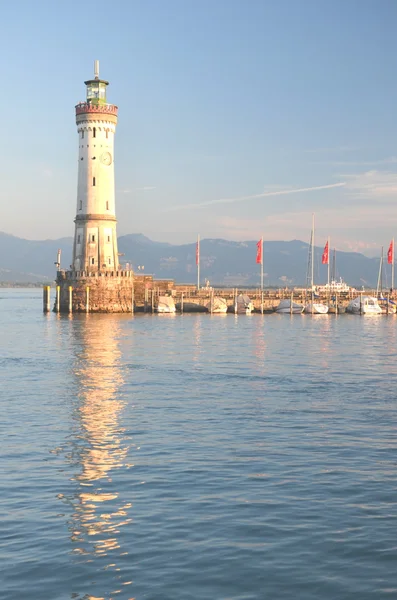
x: 243, y: 305
x: 316, y: 308
x: 217, y: 305
x: 165, y: 304
x: 285, y: 307
x: 364, y: 305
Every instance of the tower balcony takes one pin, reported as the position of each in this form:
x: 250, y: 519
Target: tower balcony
x: 87, y: 111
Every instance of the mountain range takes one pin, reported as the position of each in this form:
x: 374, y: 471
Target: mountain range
x: 222, y: 262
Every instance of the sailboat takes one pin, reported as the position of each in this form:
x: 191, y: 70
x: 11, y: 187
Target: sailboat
x: 313, y: 308
x: 386, y: 305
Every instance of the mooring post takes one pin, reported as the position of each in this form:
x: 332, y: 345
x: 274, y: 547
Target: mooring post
x: 182, y: 302
x: 146, y: 300
x: 70, y: 299
x: 152, y: 299
x: 361, y: 304
x: 58, y: 299
x: 46, y: 298
x: 336, y: 303
x: 87, y: 299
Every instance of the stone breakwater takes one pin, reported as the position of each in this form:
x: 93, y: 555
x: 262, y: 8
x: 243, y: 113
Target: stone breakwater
x: 126, y: 292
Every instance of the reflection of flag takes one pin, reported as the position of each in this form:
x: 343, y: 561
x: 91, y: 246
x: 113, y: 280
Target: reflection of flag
x: 259, y: 246
x: 390, y: 253
x: 198, y: 252
x: 325, y: 259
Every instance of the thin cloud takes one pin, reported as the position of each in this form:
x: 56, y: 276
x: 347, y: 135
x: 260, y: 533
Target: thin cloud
x: 335, y: 149
x: 263, y: 195
x: 358, y: 163
x: 146, y: 188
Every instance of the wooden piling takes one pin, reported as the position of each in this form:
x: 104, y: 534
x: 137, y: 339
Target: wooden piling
x: 146, y: 301
x: 46, y: 298
x: 58, y: 299
x: 87, y: 299
x: 70, y: 299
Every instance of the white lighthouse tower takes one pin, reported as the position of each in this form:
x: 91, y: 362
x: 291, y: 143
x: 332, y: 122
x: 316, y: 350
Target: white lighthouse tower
x: 95, y: 239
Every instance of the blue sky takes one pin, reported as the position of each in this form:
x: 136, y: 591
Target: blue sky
x: 218, y: 100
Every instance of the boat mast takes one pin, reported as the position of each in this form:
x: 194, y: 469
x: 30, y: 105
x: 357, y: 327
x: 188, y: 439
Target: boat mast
x: 312, y: 274
x: 328, y: 260
x: 379, y: 284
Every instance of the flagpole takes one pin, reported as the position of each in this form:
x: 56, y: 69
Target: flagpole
x: 198, y: 262
x: 262, y: 264
x: 392, y: 267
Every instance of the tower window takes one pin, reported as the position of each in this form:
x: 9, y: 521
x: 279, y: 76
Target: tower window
x: 93, y: 181
x: 110, y: 261
x: 94, y: 132
x: 107, y: 134
x: 81, y: 205
x: 78, y: 239
x: 93, y: 261
x: 107, y: 205
x: 93, y: 238
x: 82, y: 134
x: 108, y: 238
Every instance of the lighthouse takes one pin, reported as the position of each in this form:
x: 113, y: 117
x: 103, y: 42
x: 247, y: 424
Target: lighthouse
x: 95, y: 239
x: 95, y: 282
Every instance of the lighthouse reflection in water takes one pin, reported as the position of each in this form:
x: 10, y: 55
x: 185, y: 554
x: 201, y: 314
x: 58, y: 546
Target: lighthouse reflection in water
x: 99, y: 450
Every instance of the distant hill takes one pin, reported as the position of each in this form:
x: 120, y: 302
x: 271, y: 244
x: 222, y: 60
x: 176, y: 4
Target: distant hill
x: 222, y: 262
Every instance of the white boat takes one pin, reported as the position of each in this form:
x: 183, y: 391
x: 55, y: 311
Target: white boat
x: 316, y: 308
x: 243, y: 305
x: 217, y: 305
x: 165, y: 304
x: 364, y: 305
x: 284, y: 308
x: 334, y: 287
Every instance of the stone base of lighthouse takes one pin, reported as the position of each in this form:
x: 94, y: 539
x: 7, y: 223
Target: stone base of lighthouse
x: 98, y: 292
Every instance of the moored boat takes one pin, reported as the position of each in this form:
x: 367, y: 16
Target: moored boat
x: 165, y: 304
x: 243, y: 305
x: 288, y: 307
x: 316, y: 308
x: 364, y: 305
x: 217, y: 305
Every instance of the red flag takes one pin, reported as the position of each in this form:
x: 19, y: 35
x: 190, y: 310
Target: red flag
x: 325, y: 258
x: 390, y: 253
x: 197, y: 252
x: 259, y: 252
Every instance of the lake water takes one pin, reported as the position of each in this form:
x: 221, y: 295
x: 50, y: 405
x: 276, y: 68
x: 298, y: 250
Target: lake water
x: 196, y: 457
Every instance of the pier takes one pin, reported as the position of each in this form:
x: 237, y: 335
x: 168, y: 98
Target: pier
x: 85, y: 292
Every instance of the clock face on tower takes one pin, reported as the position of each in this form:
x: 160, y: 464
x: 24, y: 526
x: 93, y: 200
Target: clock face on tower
x: 106, y: 158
